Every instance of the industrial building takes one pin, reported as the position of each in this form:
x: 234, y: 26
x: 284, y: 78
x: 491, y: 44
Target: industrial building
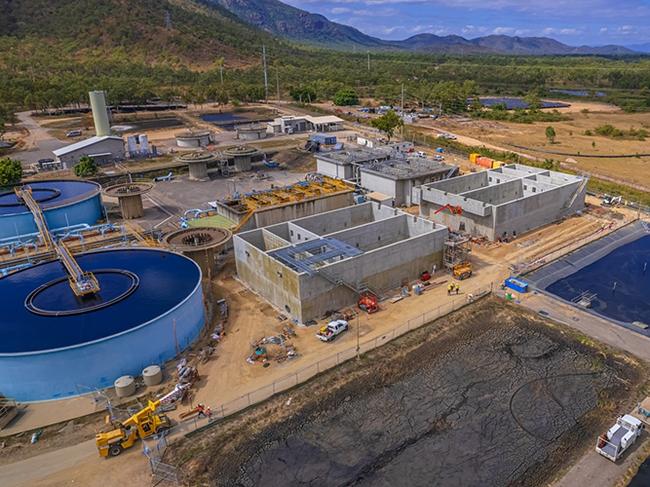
x: 388, y: 172
x: 102, y: 149
x: 296, y: 124
x: 321, y: 263
x: 400, y: 177
x: 504, y: 202
x: 262, y: 208
x: 346, y: 164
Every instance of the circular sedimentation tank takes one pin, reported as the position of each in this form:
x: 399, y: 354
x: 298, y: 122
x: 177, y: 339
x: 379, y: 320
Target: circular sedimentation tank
x: 200, y: 244
x: 129, y: 197
x: 198, y: 163
x: 192, y: 139
x: 54, y: 344
x: 64, y: 203
x: 242, y: 155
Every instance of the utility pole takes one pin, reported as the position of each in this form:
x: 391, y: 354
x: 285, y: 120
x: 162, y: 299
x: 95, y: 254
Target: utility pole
x: 277, y: 82
x: 368, y: 61
x: 402, y: 114
x: 266, y: 75
x: 221, y: 72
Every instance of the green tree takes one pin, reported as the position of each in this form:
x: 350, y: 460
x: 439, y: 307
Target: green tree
x: 533, y: 100
x: 86, y: 167
x: 387, y: 123
x: 304, y: 94
x: 11, y: 171
x: 550, y: 134
x: 346, y: 97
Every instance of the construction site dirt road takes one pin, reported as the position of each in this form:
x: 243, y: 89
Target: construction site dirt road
x: 490, y: 395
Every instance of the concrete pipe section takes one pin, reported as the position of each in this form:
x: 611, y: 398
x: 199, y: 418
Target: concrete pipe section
x: 242, y: 155
x: 198, y: 163
x: 129, y: 196
x: 64, y: 203
x: 200, y: 244
x: 54, y: 344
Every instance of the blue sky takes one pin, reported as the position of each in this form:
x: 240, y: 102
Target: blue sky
x: 575, y: 22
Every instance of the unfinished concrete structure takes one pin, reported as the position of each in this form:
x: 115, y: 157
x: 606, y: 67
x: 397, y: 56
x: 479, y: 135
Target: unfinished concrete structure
x: 129, y: 196
x: 262, y: 208
x: 320, y: 263
x: 504, y: 202
x: 201, y: 244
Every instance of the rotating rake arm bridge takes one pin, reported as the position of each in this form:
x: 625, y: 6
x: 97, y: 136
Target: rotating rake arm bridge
x: 82, y: 283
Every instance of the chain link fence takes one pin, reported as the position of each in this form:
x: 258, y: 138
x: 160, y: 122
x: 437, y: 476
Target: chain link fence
x: 364, y: 345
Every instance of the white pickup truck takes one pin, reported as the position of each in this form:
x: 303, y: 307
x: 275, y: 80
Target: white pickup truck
x: 619, y: 437
x: 333, y: 329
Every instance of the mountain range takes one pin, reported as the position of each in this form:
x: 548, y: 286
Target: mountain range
x: 299, y: 25
x: 203, y: 31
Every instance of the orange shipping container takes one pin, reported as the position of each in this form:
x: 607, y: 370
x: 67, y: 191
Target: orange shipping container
x: 485, y: 162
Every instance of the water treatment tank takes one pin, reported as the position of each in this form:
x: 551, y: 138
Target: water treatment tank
x: 125, y: 386
x: 64, y: 203
x: 55, y: 345
x: 100, y: 113
x: 152, y: 375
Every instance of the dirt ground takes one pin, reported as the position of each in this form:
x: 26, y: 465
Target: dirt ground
x: 570, y: 139
x: 490, y: 395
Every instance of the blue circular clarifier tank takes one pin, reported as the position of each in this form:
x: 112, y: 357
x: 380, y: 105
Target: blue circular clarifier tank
x: 54, y: 344
x: 64, y: 203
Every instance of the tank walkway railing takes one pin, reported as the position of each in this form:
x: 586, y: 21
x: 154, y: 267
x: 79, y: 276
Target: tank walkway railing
x: 81, y: 282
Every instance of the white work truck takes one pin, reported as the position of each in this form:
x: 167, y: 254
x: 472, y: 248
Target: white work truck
x: 333, y: 329
x: 619, y: 437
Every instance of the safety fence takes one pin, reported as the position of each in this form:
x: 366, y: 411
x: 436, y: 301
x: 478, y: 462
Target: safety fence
x: 363, y: 346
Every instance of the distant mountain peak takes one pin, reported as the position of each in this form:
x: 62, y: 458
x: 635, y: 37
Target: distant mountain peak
x: 296, y: 24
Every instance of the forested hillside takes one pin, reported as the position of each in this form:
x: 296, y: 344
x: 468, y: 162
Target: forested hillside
x: 53, y: 53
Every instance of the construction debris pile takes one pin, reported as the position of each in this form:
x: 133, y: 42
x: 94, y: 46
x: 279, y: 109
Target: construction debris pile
x: 275, y: 347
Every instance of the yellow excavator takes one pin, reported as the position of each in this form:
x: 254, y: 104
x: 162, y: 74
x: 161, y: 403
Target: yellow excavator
x: 143, y: 424
x: 462, y: 270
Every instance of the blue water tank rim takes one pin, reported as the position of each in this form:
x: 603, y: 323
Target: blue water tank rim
x: 69, y: 202
x: 124, y: 332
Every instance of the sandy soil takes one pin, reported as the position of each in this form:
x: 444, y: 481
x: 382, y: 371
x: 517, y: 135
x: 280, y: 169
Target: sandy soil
x: 571, y: 139
x: 490, y: 395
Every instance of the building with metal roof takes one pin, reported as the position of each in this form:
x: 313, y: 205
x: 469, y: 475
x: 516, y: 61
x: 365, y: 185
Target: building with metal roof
x: 102, y: 149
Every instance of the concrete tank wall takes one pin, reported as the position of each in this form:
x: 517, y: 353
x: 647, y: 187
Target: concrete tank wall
x: 89, y: 211
x: 49, y: 375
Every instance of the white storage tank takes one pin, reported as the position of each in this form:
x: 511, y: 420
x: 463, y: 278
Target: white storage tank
x: 144, y: 144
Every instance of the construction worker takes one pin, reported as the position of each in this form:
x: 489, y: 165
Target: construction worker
x: 457, y: 288
x: 450, y: 288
